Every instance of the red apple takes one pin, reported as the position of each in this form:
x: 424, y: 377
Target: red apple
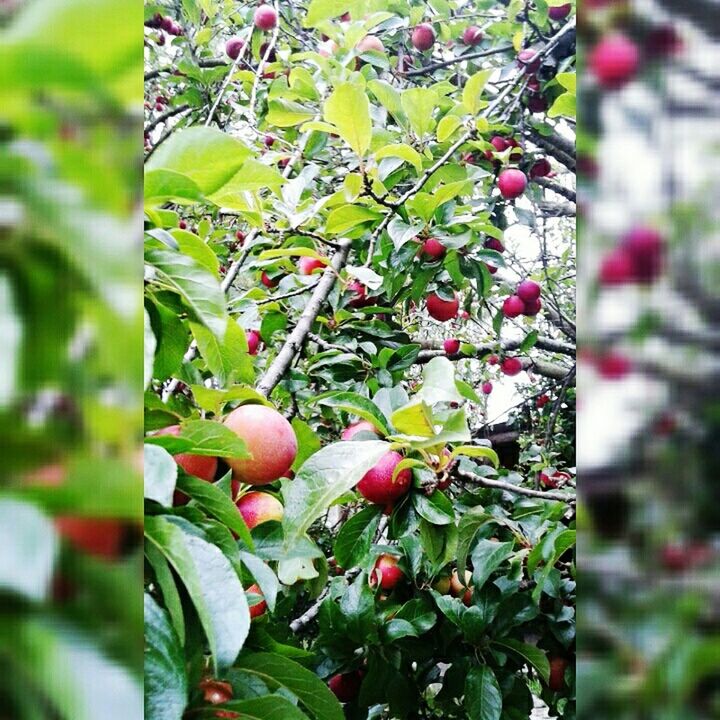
x: 254, y: 341
x: 102, y: 537
x: 357, y: 427
x: 267, y: 281
x: 614, y: 60
x: 528, y: 59
x: 440, y: 309
x: 377, y: 484
x: 240, y: 236
x: 528, y: 290
x: 259, y: 507
x: 200, y: 466
x: 512, y: 183
x: 487, y: 387
x: 542, y: 401
x: 499, y: 143
x: 256, y: 608
x: 270, y: 440
x: 233, y: 47
x: 513, y: 307
x: 423, y: 37
x: 493, y: 360
x: 433, y: 248
x: 265, y: 18
x: 308, y: 265
x: 370, y: 42
x: 451, y: 346
x: 182, y: 225
x: 360, y: 298
x: 472, y: 36
x: 268, y: 141
x: 559, y: 12
x: 494, y: 244
x: 511, y: 366
x: 386, y: 568
x: 540, y: 168
x: 613, y: 365
x: 616, y: 268
x: 646, y: 248
x: 532, y: 307
x: 216, y: 692
x: 557, y: 673
x: 460, y: 589
x: 537, y: 103
x: 346, y: 687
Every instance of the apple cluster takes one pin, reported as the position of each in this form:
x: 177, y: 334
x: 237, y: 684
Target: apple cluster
x: 526, y: 300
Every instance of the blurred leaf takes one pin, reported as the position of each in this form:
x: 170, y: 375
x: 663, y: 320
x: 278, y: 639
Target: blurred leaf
x: 161, y: 473
x: 357, y: 405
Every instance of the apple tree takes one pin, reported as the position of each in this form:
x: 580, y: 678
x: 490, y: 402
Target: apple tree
x: 359, y: 250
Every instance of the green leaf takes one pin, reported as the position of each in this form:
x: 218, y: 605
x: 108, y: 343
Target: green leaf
x: 197, y: 286
x: 211, y: 582
x: 206, y: 155
x: 357, y: 405
x: 29, y: 549
x: 436, y: 508
x: 264, y: 577
x: 268, y: 707
x: 565, y: 105
x: 401, y: 150
x: 252, y: 177
x: 203, y: 437
x: 439, y: 382
x: 355, y: 537
x: 324, y: 478
x: 281, y: 672
x: 227, y: 358
x: 285, y: 113
x: 162, y: 186
x: 419, y: 105
x: 487, y: 557
x: 170, y: 595
x: 320, y: 10
x: 483, y: 699
x: 529, y: 342
x: 401, y: 233
x: 530, y: 654
x: 161, y: 473
x: 348, y: 217
x: 216, y: 503
x: 150, y: 343
x: 473, y: 89
x: 348, y: 108
x: 166, y: 687
x: 568, y: 80
x: 447, y: 126
x: 476, y: 451
x: 389, y: 98
x: 471, y: 521
x: 414, y: 419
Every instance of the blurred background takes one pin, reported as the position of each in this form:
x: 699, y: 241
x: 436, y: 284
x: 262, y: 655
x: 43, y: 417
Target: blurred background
x: 649, y: 408
x: 71, y: 361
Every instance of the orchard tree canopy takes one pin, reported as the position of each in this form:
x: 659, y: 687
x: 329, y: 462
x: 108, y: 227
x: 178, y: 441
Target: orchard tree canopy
x: 359, y: 359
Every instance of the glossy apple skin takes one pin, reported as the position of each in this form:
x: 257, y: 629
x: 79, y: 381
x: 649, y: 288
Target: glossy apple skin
x: 370, y: 42
x: 433, y: 248
x: 559, y: 12
x: 270, y: 440
x: 472, y: 36
x: 614, y: 61
x: 99, y: 537
x: 346, y: 686
x: 377, y: 484
x: 308, y: 265
x: 558, y: 666
x: 200, y: 466
x: 487, y: 388
x: 512, y: 183
x: 423, y: 37
x: 459, y: 589
x: 259, y: 608
x: 526, y: 59
x: 540, y: 168
x: 233, y: 47
x: 528, y: 290
x: 387, y: 570
x: 265, y: 18
x: 511, y: 366
x: 360, y: 426
x: 253, y: 340
x: 513, y: 307
x: 616, y: 268
x: 267, y: 281
x: 259, y: 507
x: 451, y: 346
x: 216, y: 692
x: 440, y: 309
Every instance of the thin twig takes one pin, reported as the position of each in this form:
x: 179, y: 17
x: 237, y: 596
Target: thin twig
x: 517, y: 489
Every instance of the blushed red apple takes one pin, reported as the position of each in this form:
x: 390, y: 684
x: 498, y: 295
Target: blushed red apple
x: 472, y: 36
x: 387, y: 570
x: 377, y: 484
x: 259, y: 507
x: 433, y: 248
x: 308, y: 265
x: 357, y: 427
x: 440, y: 309
x: 265, y: 18
x: 451, y: 346
x: 614, y: 60
x: 511, y: 366
x: 512, y: 183
x: 423, y: 37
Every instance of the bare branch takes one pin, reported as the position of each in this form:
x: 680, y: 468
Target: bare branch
x: 568, y: 497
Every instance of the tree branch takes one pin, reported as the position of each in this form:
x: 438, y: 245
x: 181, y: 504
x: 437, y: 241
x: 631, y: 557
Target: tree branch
x: 165, y: 116
x: 569, y: 498
x: 426, y: 69
x: 296, y: 339
x: 557, y: 188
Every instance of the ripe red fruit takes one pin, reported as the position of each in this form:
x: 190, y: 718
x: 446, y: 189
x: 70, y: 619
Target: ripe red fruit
x: 487, y: 387
x: 494, y: 244
x: 557, y: 673
x: 182, y: 225
x: 559, y: 12
x: 377, y: 484
x: 614, y: 60
x: 528, y: 290
x: 493, y: 360
x: 307, y: 265
x: 101, y: 538
x: 537, y: 103
x: 259, y: 507
x: 370, y: 42
x: 511, y: 366
x: 616, y: 268
x: 233, y: 48
x: 200, y: 466
x: 472, y: 36
x: 386, y: 568
x: 258, y: 608
x: 542, y: 401
x: 359, y: 291
x: 267, y: 281
x: 265, y: 18
x: 216, y: 692
x: 283, y: 162
x: 451, y: 346
x: 240, y: 235
x: 270, y: 440
x: 464, y: 315
x: 440, y: 309
x: 512, y: 183
x: 532, y: 307
x: 269, y: 141
x: 423, y: 37
x: 646, y: 248
x: 253, y: 340
x: 513, y: 307
x: 540, y: 168
x: 346, y: 687
x: 433, y: 248
x: 613, y: 366
x: 357, y: 427
x: 528, y: 59
x: 459, y: 589
x: 500, y: 143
